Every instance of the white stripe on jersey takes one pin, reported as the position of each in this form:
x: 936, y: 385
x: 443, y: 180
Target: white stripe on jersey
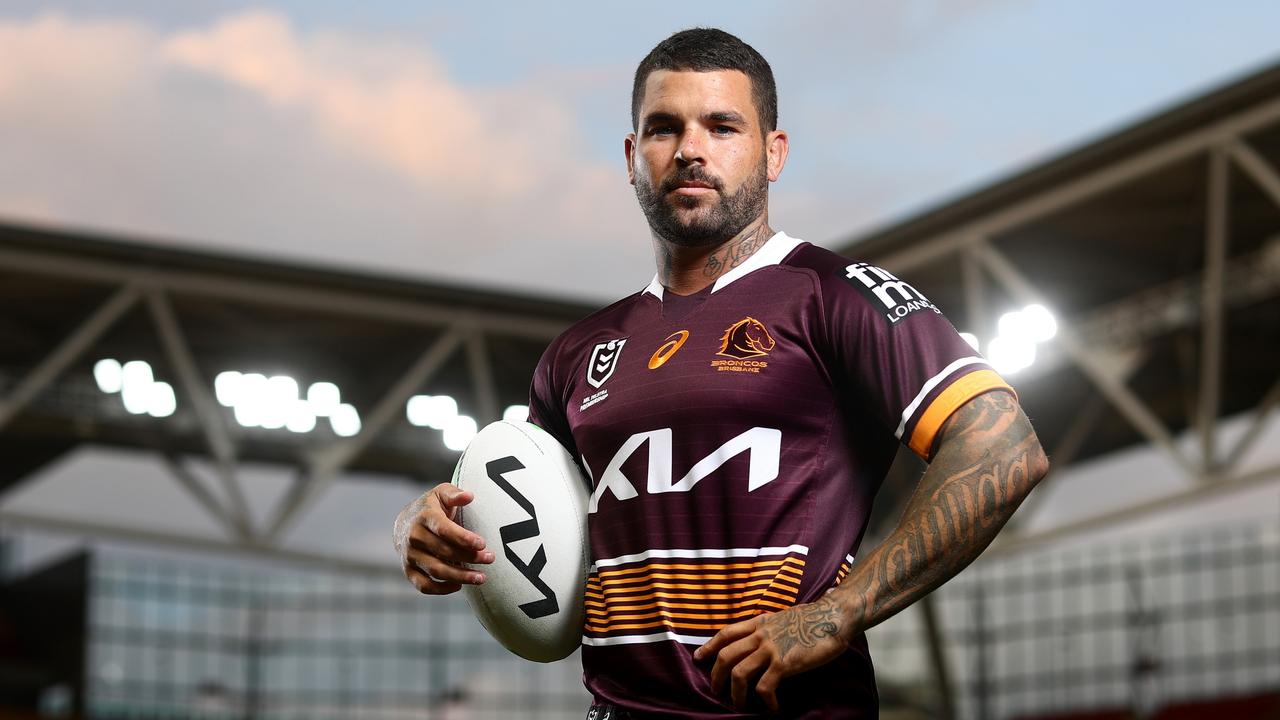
x: 930, y: 385
x: 655, y: 637
x: 695, y: 554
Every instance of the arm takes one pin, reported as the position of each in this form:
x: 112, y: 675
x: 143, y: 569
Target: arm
x: 987, y: 462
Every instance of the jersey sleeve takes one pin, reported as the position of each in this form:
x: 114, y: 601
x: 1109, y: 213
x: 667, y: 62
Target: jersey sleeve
x: 897, y: 357
x: 546, y: 400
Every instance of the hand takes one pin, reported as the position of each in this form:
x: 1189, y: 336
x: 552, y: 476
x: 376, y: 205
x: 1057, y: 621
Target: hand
x: 432, y: 546
x: 773, y: 647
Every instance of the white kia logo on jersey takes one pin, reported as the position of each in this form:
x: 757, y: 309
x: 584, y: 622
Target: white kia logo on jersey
x: 604, y: 360
x: 762, y: 445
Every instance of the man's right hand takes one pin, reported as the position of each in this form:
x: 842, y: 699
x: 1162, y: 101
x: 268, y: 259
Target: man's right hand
x: 432, y: 546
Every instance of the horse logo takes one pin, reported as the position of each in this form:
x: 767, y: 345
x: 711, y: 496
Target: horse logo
x: 747, y: 338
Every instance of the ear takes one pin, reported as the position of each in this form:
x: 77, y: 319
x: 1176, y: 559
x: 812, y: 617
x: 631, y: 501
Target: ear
x: 629, y: 148
x: 776, y: 145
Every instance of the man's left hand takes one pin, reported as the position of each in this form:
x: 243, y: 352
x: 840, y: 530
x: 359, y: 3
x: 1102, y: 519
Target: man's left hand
x: 774, y: 646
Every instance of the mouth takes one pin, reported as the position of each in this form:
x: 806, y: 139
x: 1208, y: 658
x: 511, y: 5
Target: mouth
x: 693, y: 187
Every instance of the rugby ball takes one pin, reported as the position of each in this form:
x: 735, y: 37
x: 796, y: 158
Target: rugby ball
x: 530, y: 507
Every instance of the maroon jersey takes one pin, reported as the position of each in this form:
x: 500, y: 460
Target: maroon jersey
x: 735, y: 439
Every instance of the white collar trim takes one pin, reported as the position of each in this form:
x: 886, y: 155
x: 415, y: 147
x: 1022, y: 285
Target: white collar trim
x: 655, y: 287
x: 771, y: 253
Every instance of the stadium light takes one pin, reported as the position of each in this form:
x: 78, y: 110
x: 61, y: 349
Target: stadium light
x: 971, y: 339
x: 516, y: 413
x: 108, y: 374
x: 1039, y: 322
x: 301, y: 417
x: 345, y: 421
x: 161, y: 402
x: 136, y: 374
x: 226, y: 387
x: 458, y: 432
x: 417, y: 410
x: 1014, y: 347
x: 1010, y: 354
x: 324, y: 398
x: 432, y: 411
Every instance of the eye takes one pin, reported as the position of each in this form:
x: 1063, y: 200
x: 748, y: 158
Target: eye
x: 661, y: 130
x: 722, y: 130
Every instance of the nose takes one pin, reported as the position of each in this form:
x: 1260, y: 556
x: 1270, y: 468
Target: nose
x: 690, y: 150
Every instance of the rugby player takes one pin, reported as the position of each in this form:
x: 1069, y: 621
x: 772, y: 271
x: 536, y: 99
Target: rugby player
x: 737, y: 417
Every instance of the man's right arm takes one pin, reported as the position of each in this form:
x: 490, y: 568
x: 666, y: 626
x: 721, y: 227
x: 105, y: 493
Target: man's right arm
x: 432, y: 545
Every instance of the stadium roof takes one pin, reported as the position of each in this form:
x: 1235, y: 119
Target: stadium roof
x: 1158, y: 248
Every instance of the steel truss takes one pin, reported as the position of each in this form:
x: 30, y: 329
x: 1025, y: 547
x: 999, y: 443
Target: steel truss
x: 464, y: 333
x: 1108, y: 344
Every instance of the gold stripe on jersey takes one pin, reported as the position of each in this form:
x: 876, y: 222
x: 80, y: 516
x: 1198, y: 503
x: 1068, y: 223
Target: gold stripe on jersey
x: 957, y: 393
x: 689, y: 595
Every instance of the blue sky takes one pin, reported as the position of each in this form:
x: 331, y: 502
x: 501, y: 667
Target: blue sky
x: 481, y: 142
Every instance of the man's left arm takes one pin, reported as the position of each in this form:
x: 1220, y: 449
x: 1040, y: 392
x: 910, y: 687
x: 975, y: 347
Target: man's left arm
x: 988, y: 460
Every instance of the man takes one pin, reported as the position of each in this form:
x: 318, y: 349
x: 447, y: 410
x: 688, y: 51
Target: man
x: 737, y: 417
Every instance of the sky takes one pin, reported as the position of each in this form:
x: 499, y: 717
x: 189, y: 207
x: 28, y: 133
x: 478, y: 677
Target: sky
x: 481, y: 143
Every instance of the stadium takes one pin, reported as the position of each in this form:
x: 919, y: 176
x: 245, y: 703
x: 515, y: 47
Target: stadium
x: 187, y: 432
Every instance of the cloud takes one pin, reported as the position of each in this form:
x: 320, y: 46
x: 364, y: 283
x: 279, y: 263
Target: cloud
x: 252, y: 135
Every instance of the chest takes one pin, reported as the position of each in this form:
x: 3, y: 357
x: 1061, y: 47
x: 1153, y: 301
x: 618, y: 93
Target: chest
x: 745, y: 369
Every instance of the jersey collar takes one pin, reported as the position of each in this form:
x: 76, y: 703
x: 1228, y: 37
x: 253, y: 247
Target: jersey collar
x: 771, y: 253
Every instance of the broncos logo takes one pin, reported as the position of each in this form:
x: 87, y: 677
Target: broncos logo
x: 746, y: 338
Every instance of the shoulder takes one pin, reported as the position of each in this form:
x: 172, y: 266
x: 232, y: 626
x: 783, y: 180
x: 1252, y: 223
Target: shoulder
x: 835, y: 277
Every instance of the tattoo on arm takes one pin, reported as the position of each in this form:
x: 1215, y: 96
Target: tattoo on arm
x: 988, y: 461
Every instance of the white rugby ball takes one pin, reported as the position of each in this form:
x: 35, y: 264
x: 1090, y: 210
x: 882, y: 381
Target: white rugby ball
x: 530, y: 506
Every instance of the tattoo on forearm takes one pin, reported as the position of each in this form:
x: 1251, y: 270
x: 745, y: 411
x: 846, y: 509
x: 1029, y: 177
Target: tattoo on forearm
x: 990, y: 461
x: 804, y: 626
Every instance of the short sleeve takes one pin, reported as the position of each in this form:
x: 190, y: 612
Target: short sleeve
x: 546, y: 401
x: 897, y: 357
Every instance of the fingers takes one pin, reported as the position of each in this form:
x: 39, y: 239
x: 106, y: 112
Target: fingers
x: 425, y: 584
x: 451, y: 496
x: 767, y: 687
x: 727, y: 660
x: 437, y: 517
x: 745, y: 672
x: 422, y: 540
x: 727, y: 634
x: 441, y: 571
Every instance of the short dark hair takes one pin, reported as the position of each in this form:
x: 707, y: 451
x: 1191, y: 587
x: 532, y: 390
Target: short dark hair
x: 707, y: 50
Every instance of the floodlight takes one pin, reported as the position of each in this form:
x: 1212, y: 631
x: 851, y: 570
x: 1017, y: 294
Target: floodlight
x: 226, y: 387
x: 442, y: 409
x: 136, y: 397
x: 1009, y: 354
x: 324, y: 398
x: 1039, y: 322
x: 136, y: 374
x: 345, y: 421
x: 161, y: 402
x: 418, y: 410
x: 302, y: 418
x: 108, y: 374
x: 458, y: 432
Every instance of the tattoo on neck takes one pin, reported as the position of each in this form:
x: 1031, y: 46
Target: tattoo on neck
x: 735, y: 253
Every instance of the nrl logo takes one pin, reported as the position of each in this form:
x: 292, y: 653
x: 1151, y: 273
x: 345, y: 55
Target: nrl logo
x: 604, y: 360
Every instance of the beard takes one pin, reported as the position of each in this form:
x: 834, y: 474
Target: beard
x: 727, y: 216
